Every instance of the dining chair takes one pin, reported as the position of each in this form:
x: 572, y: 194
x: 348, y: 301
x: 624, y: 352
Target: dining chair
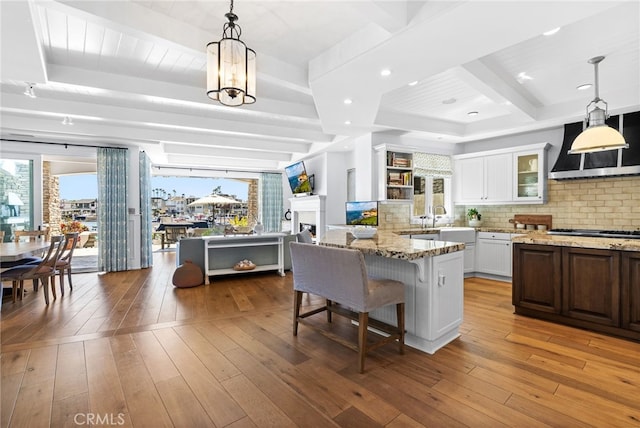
x: 63, y: 263
x: 44, y: 271
x: 339, y: 275
x: 31, y: 235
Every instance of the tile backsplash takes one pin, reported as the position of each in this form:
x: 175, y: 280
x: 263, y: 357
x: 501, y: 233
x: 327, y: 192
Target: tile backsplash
x: 596, y: 203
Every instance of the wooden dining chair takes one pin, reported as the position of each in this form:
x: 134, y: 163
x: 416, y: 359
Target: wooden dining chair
x: 31, y: 235
x: 44, y: 271
x: 64, y: 262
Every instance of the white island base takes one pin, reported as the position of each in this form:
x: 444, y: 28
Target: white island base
x: 434, y: 292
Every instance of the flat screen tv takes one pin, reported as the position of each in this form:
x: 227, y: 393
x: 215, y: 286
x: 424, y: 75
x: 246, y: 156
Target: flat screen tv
x: 362, y: 213
x: 298, y: 178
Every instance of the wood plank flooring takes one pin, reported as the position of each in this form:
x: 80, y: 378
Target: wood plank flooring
x: 128, y: 349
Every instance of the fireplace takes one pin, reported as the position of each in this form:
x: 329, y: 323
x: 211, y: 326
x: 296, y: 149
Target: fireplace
x: 308, y: 211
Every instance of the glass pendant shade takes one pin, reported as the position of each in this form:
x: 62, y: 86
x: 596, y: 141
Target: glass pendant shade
x: 231, y: 67
x: 596, y: 139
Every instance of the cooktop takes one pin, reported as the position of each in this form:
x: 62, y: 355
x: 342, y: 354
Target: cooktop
x: 626, y: 234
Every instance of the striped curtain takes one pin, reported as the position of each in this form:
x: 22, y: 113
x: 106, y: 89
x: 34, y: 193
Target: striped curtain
x: 113, y: 172
x: 146, y: 256
x: 271, y: 201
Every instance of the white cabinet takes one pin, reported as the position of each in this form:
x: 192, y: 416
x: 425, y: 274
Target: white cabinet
x: 395, y: 174
x: 505, y: 176
x: 530, y: 176
x: 494, y: 253
x: 446, y: 308
x: 484, y: 179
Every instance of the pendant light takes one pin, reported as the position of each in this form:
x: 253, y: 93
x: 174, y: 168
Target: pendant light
x: 598, y: 136
x: 231, y: 66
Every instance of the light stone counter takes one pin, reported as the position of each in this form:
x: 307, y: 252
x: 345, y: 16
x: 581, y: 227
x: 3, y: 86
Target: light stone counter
x: 542, y: 238
x: 389, y: 244
x: 432, y: 272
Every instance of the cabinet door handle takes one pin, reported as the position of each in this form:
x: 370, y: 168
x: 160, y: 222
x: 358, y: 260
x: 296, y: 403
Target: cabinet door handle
x: 441, y: 280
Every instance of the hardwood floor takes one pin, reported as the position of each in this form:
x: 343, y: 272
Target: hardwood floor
x: 128, y: 349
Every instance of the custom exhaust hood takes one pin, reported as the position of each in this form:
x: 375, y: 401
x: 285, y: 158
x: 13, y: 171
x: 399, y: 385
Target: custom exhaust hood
x: 610, y: 163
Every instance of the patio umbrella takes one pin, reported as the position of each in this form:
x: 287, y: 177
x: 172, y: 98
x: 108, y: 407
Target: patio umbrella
x: 213, y: 200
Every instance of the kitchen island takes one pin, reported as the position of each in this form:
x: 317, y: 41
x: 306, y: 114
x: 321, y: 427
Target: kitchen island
x: 586, y: 282
x: 432, y: 272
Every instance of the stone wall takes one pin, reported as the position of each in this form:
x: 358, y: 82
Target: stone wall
x: 51, y: 213
x: 252, y: 202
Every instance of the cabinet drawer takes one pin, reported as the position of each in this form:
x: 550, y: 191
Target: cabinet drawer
x: 495, y: 235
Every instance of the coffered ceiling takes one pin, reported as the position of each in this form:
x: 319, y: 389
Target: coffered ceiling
x: 133, y: 72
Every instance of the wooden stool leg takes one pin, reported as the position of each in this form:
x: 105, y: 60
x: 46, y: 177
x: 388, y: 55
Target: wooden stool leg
x: 329, y: 303
x: 69, y: 276
x: 14, y: 290
x: 52, y: 281
x: 363, y: 321
x: 400, y: 315
x: 297, y: 301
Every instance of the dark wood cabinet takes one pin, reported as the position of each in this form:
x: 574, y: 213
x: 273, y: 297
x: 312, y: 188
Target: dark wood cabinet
x: 537, y: 277
x: 591, y: 285
x: 631, y: 291
x: 588, y: 288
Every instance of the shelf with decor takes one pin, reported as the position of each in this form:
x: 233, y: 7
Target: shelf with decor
x: 395, y: 171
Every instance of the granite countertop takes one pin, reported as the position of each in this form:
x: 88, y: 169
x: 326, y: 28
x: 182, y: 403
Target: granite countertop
x: 389, y: 244
x: 434, y: 230
x: 542, y: 238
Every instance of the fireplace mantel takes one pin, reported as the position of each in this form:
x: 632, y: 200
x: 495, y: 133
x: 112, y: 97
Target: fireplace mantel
x: 313, y: 203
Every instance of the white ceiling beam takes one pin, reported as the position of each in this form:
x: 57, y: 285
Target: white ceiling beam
x: 499, y: 89
x: 391, y: 16
x: 222, y: 163
x: 98, y: 131
x: 199, y: 150
x: 153, y: 88
x: 23, y: 61
x: 415, y: 123
x: 151, y: 116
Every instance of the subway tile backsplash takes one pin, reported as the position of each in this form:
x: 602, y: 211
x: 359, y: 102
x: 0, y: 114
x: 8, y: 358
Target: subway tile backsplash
x: 597, y: 203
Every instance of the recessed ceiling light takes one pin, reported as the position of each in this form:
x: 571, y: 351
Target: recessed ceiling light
x: 583, y: 87
x: 551, y: 32
x: 385, y: 72
x: 348, y: 101
x: 449, y: 101
x: 347, y: 122
x: 414, y: 83
x: 523, y: 77
x: 473, y: 113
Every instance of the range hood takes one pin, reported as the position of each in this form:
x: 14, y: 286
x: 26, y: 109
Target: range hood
x: 610, y: 163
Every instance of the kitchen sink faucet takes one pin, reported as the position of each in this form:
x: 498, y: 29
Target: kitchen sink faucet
x: 435, y: 217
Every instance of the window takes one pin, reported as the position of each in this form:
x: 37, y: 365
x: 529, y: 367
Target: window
x: 16, y: 196
x: 432, y: 188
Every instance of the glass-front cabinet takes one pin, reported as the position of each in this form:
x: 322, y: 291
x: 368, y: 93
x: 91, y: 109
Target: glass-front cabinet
x: 530, y: 179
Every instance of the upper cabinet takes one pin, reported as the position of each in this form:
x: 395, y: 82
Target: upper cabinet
x: 506, y: 176
x: 530, y: 176
x: 395, y: 174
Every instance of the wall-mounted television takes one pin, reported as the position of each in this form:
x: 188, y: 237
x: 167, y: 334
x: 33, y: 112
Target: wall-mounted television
x: 362, y: 213
x: 299, y: 181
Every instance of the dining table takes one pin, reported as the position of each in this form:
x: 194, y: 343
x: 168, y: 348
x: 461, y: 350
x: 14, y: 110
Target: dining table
x: 13, y: 251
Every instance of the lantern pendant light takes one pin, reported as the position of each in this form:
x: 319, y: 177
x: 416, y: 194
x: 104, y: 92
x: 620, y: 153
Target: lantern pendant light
x: 231, y: 66
x: 598, y: 136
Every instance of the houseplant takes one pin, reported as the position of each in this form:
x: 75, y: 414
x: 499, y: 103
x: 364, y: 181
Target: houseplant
x: 475, y: 218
